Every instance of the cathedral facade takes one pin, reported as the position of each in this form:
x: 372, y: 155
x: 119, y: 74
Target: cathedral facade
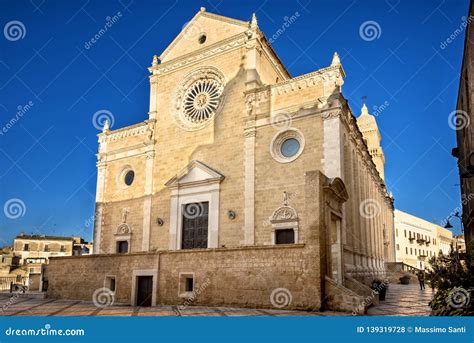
x: 243, y: 180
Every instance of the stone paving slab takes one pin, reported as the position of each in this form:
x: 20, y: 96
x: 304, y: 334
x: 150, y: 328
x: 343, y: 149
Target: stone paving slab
x: 401, y: 300
x: 404, y: 300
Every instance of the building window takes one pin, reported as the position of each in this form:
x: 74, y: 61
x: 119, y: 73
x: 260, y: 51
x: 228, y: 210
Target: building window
x: 398, y: 246
x: 122, y: 247
x: 46, y: 247
x: 290, y: 147
x: 110, y: 283
x: 202, y: 39
x: 189, y: 284
x: 411, y: 251
x: 201, y: 100
x: 287, y: 145
x: 405, y: 233
x: 129, y: 177
x: 195, y: 225
x: 26, y: 247
x: 285, y: 236
x: 406, y: 250
x: 63, y: 248
x: 186, y: 284
x: 396, y: 232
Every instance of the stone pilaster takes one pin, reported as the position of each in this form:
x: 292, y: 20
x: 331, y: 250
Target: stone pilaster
x: 100, y: 190
x: 150, y: 159
x: 249, y: 185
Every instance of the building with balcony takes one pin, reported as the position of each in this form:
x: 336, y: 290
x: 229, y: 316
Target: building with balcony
x: 417, y: 240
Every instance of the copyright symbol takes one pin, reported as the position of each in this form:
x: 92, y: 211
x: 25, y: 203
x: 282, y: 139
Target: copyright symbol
x: 409, y: 329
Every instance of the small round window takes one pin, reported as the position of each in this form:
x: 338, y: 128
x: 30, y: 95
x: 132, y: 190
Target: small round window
x: 287, y: 145
x: 202, y: 39
x: 129, y: 176
x: 290, y: 147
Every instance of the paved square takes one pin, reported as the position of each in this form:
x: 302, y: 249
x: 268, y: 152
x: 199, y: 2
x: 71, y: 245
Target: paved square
x: 401, y: 300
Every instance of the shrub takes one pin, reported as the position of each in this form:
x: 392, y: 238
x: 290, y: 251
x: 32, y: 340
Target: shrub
x: 453, y: 279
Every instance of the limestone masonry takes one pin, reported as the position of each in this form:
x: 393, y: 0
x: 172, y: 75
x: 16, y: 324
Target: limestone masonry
x: 244, y: 187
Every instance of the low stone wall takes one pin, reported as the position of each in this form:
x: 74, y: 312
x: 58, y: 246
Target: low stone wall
x: 266, y: 276
x: 340, y: 298
x: 78, y: 277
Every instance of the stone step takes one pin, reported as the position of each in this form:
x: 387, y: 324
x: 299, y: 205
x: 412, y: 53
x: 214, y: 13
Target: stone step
x: 32, y: 295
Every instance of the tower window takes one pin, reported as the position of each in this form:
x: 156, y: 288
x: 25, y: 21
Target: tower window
x: 202, y: 39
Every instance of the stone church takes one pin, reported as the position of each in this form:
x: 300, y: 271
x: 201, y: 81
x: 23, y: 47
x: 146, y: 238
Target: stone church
x: 243, y: 182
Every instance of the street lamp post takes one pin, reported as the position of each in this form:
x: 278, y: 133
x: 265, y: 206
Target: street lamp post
x: 449, y: 226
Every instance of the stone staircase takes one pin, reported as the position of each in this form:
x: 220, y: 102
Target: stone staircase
x: 396, y: 270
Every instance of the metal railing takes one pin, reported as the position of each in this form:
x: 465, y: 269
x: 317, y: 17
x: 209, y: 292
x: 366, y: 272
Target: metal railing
x: 7, y: 281
x: 409, y: 268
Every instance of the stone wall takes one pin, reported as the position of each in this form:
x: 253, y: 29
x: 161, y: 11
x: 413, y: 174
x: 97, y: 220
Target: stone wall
x: 244, y: 277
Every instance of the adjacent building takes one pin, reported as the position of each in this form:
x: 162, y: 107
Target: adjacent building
x: 460, y: 244
x: 464, y: 120
x: 242, y: 181
x: 32, y: 252
x: 10, y: 269
x: 417, y: 240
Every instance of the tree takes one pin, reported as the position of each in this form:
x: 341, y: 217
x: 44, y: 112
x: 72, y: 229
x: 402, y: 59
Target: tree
x: 453, y: 278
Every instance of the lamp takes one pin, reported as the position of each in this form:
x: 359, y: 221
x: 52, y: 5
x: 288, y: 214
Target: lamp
x: 448, y: 225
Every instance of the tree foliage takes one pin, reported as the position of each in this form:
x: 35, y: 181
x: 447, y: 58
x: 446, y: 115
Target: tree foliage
x: 453, y: 278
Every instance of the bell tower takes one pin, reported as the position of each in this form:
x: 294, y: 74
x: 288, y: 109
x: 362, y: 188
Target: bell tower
x: 370, y: 131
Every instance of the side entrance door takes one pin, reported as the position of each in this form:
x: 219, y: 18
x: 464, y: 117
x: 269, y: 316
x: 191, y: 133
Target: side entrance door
x: 144, y: 290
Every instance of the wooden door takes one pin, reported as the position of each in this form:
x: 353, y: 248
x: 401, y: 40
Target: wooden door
x: 144, y: 290
x: 195, y: 225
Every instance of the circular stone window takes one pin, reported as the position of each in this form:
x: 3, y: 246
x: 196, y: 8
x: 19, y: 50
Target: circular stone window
x: 290, y: 147
x: 199, y: 99
x: 202, y: 39
x: 287, y: 145
x: 128, y: 178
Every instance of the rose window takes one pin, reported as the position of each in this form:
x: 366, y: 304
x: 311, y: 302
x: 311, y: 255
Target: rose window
x: 201, y: 101
x: 199, y: 98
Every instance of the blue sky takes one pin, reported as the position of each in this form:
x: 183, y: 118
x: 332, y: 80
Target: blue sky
x: 47, y: 156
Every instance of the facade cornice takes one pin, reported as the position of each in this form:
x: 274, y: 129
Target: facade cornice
x: 146, y: 150
x: 329, y: 74
x: 129, y: 131
x: 231, y: 43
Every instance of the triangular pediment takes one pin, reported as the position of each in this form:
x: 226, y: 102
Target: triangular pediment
x: 215, y: 27
x: 195, y: 172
